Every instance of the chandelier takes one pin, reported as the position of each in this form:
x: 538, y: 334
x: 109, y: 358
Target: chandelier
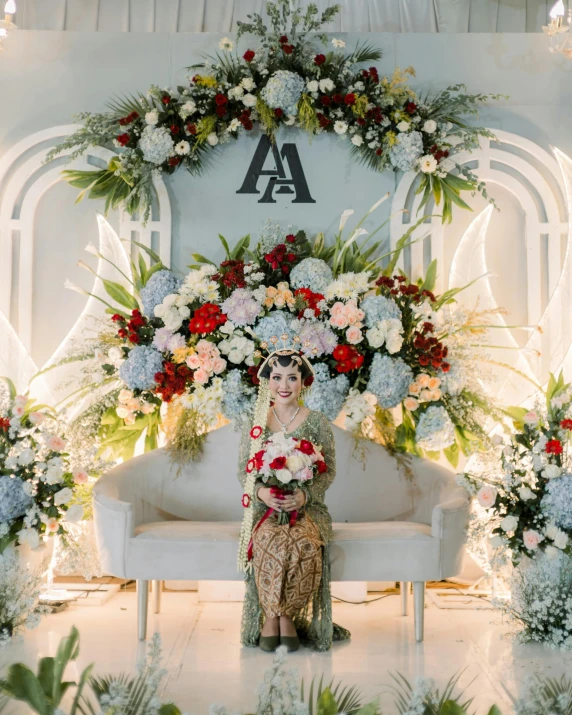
x: 559, y: 29
x: 6, y: 25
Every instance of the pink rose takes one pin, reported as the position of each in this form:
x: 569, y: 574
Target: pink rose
x: 56, y: 444
x: 487, y: 496
x: 531, y: 418
x: 353, y: 335
x: 52, y: 524
x: 80, y: 476
x: 193, y: 361
x: 36, y: 418
x: 201, y: 376
x: 305, y: 474
x: 204, y: 347
x: 531, y: 539
x: 207, y: 364
x: 219, y: 365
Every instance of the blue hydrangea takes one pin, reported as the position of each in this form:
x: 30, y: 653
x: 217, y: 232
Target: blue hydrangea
x: 276, y: 323
x: 311, y: 273
x: 378, y: 307
x: 159, y: 286
x: 405, y: 153
x: 435, y: 431
x: 270, y: 235
x: 389, y: 380
x: 327, y: 394
x: 557, y: 501
x: 139, y: 370
x: 238, y: 399
x: 283, y: 91
x: 14, y: 502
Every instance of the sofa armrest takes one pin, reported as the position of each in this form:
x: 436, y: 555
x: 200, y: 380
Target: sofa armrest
x: 113, y: 521
x: 445, y: 514
x: 449, y: 521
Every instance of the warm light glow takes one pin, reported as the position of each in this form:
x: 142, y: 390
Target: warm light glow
x: 10, y: 7
x: 3, y: 33
x: 558, y: 10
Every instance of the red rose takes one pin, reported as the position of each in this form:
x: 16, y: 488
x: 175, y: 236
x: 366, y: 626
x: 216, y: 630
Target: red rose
x: 174, y: 129
x: 445, y: 367
x: 192, y: 129
x: 288, y: 49
x: 174, y: 161
x: 278, y: 112
x: 247, y: 124
x: 350, y: 99
x: 122, y: 333
x: 166, y: 99
x: 323, y: 120
x: 134, y: 338
x: 259, y: 459
x: 424, y: 360
x: 553, y: 446
x: 291, y: 257
x: 249, y: 55
x: 220, y: 99
x: 411, y: 107
x: 337, y: 98
x: 305, y: 447
x: 566, y: 424
x: 123, y: 139
x: 321, y: 466
x: 278, y: 463
x: 283, y: 39
x: 325, y: 100
x: 290, y: 238
x: 285, y: 268
x: 117, y: 318
x: 220, y: 111
x: 319, y: 59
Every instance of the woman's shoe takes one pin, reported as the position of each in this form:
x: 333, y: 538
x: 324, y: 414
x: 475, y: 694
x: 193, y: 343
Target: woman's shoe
x: 292, y: 643
x: 269, y: 643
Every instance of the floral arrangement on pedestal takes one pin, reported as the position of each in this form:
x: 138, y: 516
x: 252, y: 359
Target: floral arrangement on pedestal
x: 37, y: 483
x: 290, y: 79
x: 377, y: 342
x: 524, y: 489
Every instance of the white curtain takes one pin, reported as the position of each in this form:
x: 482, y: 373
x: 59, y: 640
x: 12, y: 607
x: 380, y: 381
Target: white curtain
x: 222, y: 15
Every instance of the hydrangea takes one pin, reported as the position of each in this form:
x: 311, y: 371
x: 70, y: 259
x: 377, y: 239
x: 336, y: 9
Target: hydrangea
x: 327, y: 394
x: 159, y: 286
x: 165, y: 340
x: 454, y: 381
x: 14, y: 501
x: 377, y: 308
x: 283, y: 91
x: 156, y: 144
x: 139, y: 370
x: 389, y: 380
x: 311, y: 273
x: 276, y: 323
x: 405, y: 152
x: 271, y: 234
x: 320, y: 337
x: 238, y: 399
x: 435, y: 431
x: 557, y: 502
x: 241, y: 307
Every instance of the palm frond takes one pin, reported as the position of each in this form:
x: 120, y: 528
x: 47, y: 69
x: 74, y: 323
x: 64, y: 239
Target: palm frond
x: 365, y: 52
x: 122, y: 106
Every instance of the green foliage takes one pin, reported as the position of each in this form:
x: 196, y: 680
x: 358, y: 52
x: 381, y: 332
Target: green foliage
x: 335, y: 698
x: 121, y: 438
x: 435, y: 701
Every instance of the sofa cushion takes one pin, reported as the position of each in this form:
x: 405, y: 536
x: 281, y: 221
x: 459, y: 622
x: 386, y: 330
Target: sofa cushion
x: 203, y: 550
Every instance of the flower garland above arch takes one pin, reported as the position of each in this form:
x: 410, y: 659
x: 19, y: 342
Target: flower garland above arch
x: 286, y: 81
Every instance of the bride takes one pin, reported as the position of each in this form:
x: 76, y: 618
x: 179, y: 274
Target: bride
x: 288, y: 598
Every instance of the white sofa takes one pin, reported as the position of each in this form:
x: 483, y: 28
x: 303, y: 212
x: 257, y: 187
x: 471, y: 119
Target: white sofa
x: 152, y: 525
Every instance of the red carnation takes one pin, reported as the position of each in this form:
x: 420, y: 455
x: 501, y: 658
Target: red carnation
x: 288, y: 49
x: 192, y: 129
x: 566, y: 424
x: 325, y: 100
x: 411, y: 107
x: 174, y: 129
x: 123, y: 139
x: 321, y: 466
x: 166, y: 99
x: 553, y: 446
x: 249, y: 55
x: 350, y: 99
x: 278, y: 463
x: 220, y: 99
x: 283, y: 39
x: 424, y: 360
x: 319, y: 59
x: 305, y: 447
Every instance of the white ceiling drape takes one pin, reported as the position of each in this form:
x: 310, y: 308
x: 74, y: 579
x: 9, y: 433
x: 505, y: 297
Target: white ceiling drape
x: 222, y: 15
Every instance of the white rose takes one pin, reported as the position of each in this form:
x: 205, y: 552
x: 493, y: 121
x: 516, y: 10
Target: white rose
x: 152, y: 117
x: 115, y: 354
x: 74, y: 513
x: 497, y: 541
x: 530, y: 418
x: 289, y: 121
x: 340, y: 127
x: 357, y: 140
x: 54, y: 475
x: 509, y: 523
x: 496, y: 439
x: 312, y: 85
x: 284, y: 475
x: 403, y: 126
x: 63, y: 496
x: 551, y: 471
x: 537, y: 462
x: 249, y: 100
x: 11, y: 462
x: 236, y: 92
x: 551, y: 552
x: 551, y: 531
x: 375, y: 337
x: 294, y: 463
x: 394, y: 342
x: 172, y: 319
x: 26, y: 457
x: 247, y: 83
x: 122, y: 412
x: 430, y: 126
x: 326, y: 85
x: 188, y: 108
x: 526, y: 494
x: 561, y: 540
x: 487, y: 496
x: 212, y: 139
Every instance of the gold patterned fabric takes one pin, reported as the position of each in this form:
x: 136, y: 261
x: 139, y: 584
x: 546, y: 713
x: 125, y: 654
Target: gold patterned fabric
x: 287, y: 565
x: 313, y: 621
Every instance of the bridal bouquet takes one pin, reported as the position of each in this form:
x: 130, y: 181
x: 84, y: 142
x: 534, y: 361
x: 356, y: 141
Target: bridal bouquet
x: 285, y: 463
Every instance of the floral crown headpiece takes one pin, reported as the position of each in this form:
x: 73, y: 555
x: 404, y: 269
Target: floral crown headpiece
x: 275, y: 353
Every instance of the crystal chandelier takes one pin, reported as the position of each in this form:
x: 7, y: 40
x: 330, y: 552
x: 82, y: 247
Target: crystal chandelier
x: 559, y: 29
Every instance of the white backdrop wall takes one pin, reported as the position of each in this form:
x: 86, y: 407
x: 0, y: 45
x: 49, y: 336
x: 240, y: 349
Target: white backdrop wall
x: 46, y: 77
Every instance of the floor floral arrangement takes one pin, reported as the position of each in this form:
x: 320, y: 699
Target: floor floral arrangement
x: 379, y: 344
x: 524, y: 487
x: 291, y: 79
x: 280, y: 692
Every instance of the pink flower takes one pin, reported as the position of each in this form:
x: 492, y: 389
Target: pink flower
x: 36, y: 418
x: 201, y: 376
x: 204, y: 347
x: 56, y: 443
x: 305, y: 474
x: 354, y: 335
x: 194, y: 361
x: 531, y: 418
x: 410, y: 403
x: 17, y: 410
x: 52, y: 524
x: 531, y: 539
x: 219, y: 365
x: 487, y: 496
x: 80, y: 476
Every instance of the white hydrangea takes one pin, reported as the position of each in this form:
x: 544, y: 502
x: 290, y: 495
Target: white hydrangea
x: 358, y: 407
x: 389, y: 332
x: 156, y: 144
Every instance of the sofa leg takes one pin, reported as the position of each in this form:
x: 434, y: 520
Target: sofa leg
x: 404, y: 589
x: 156, y: 587
x: 419, y: 608
x: 142, y: 605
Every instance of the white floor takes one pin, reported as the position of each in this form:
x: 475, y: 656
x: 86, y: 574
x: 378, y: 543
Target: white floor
x: 206, y: 663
